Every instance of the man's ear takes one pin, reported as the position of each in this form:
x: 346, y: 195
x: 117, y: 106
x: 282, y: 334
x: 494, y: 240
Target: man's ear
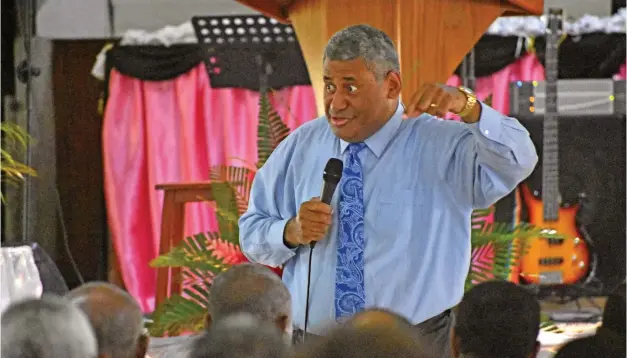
x: 394, y: 83
x: 142, y: 346
x: 208, y: 321
x: 282, y: 322
x: 454, y: 342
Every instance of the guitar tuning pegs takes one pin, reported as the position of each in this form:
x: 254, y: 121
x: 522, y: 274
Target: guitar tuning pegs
x: 582, y: 264
x: 574, y: 257
x: 576, y: 240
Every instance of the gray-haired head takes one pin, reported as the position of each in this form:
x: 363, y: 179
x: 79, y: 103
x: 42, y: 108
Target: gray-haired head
x: 253, y: 289
x: 241, y: 336
x: 115, y: 316
x: 367, y: 42
x: 50, y: 327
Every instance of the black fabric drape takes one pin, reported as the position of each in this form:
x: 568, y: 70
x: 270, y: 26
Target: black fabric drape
x: 586, y: 56
x: 493, y: 53
x: 596, y: 55
x: 154, y: 63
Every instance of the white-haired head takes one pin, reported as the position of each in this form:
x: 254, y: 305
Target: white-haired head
x: 49, y: 327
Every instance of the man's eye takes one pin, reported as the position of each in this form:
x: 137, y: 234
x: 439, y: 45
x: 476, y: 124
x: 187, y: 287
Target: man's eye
x: 330, y: 88
x: 352, y: 88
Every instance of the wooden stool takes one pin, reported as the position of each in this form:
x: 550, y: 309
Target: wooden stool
x: 172, y: 229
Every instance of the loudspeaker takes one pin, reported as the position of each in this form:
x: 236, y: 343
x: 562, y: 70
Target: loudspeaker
x: 592, y: 163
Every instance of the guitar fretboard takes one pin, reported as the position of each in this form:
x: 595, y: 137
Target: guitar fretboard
x: 550, y: 157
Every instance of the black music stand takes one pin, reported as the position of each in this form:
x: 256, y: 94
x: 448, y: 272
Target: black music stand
x: 258, y: 42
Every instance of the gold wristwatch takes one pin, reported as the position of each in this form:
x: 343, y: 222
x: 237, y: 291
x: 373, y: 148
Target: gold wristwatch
x: 471, y: 101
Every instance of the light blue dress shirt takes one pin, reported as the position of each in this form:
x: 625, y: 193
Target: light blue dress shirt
x: 422, y: 178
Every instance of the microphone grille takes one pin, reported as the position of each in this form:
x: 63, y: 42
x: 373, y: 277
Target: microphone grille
x: 333, y: 170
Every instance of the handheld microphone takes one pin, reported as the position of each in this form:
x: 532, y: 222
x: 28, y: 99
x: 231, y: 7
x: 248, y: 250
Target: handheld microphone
x: 332, y: 175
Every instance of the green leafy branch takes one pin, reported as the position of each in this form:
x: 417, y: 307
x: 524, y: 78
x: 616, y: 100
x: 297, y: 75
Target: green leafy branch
x: 15, y: 141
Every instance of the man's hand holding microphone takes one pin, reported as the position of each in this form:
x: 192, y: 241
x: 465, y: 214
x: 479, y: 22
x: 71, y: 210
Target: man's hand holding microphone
x: 310, y: 225
x: 315, y: 216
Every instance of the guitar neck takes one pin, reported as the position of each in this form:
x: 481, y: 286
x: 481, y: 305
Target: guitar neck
x: 550, y: 148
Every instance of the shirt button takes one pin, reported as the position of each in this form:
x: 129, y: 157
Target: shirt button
x: 486, y: 132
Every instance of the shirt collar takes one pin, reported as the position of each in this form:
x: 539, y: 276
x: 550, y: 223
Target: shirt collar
x: 380, y: 140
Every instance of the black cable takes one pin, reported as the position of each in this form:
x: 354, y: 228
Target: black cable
x: 27, y: 23
x: 307, y: 300
x: 66, y: 242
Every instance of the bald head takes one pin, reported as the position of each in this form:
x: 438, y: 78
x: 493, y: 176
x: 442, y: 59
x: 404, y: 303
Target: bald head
x: 253, y: 289
x: 378, y: 317
x: 366, y: 342
x: 115, y: 316
x: 46, y: 328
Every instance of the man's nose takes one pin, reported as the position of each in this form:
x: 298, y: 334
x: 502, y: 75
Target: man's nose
x: 338, y: 102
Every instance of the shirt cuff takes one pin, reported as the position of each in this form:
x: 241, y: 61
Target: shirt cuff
x: 275, y: 239
x: 490, y: 124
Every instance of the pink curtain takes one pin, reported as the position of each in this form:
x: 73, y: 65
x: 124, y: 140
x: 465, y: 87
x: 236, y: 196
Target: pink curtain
x: 622, y: 73
x: 174, y: 131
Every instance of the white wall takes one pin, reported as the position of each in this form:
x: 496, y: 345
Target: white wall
x: 84, y: 19
x: 89, y: 19
x: 577, y: 8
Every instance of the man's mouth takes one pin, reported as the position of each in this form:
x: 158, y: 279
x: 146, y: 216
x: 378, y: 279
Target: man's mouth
x: 339, y: 122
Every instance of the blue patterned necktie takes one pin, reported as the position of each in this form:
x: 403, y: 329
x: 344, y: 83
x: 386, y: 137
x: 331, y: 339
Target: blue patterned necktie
x: 350, y: 296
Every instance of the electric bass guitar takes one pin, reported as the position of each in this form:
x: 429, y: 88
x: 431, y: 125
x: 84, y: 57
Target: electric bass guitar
x: 550, y: 261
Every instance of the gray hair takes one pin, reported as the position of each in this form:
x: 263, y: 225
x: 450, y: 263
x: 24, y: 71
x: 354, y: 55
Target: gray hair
x: 250, y: 288
x: 50, y: 327
x: 241, y: 336
x: 367, y: 42
x: 115, y: 316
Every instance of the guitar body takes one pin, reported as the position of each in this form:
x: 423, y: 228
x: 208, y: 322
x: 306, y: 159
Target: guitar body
x: 554, y: 261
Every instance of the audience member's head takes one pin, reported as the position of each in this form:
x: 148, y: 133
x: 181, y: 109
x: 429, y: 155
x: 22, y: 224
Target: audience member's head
x: 240, y: 336
x: 50, y: 327
x: 365, y: 342
x: 253, y: 289
x: 378, y: 317
x: 496, y: 319
x: 590, y: 347
x: 116, y: 318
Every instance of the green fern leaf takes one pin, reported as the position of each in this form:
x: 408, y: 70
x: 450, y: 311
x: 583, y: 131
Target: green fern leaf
x: 227, y: 210
x: 240, y: 179
x: 496, y: 249
x: 194, y: 253
x: 199, y: 293
x: 177, y: 315
x: 271, y: 129
x: 264, y: 139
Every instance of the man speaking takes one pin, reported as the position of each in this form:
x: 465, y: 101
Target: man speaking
x: 397, y: 233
